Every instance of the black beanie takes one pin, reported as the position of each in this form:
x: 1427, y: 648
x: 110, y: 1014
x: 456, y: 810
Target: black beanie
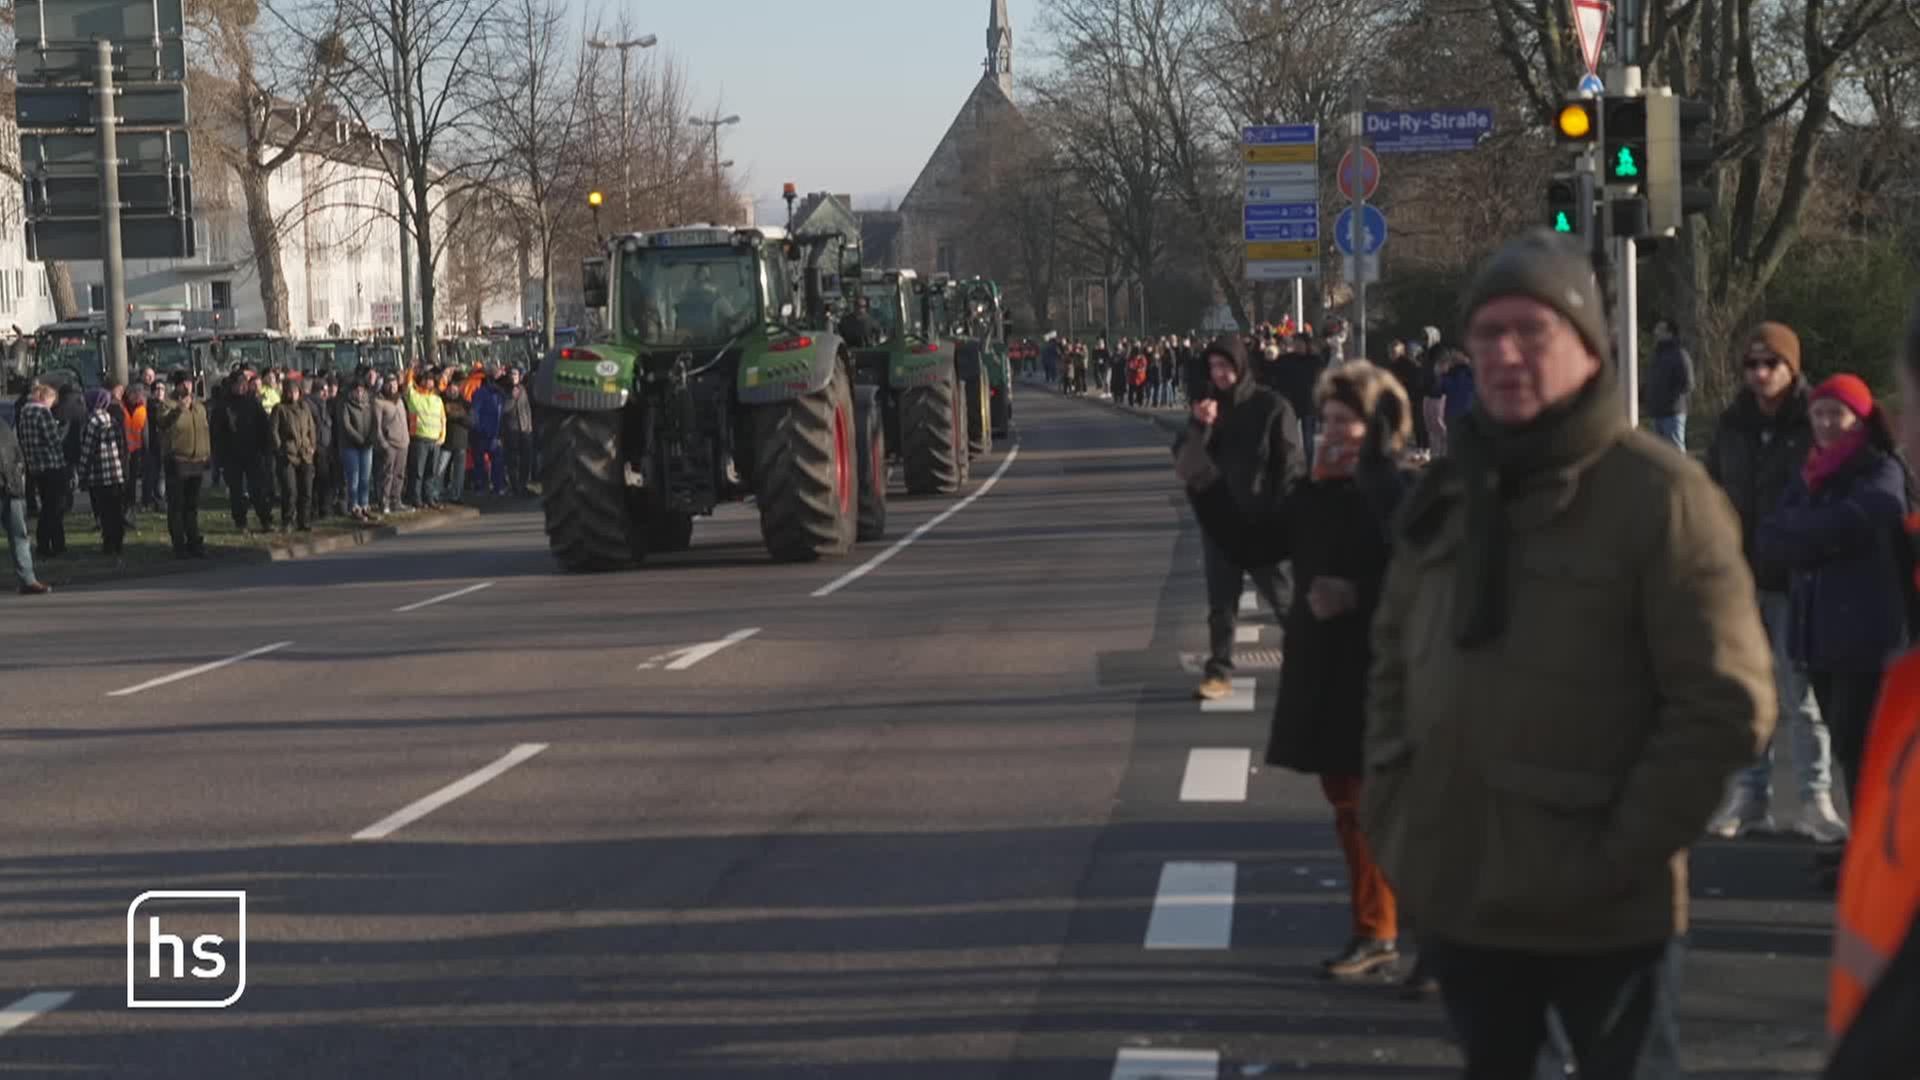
x: 1553, y: 269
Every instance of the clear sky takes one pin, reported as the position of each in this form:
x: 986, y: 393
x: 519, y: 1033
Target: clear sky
x: 905, y: 67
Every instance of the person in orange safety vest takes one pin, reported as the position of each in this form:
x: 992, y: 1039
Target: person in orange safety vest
x: 1873, y: 1006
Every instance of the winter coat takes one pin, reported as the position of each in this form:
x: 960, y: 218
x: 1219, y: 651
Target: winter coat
x: 459, y: 424
x: 516, y: 411
x: 102, y: 464
x: 486, y: 415
x: 1669, y: 381
x: 1457, y: 387
x: 13, y: 464
x: 391, y: 419
x: 356, y: 425
x: 187, y: 433
x: 1849, y: 584
x: 322, y: 428
x: 1334, y: 529
x: 1255, y: 445
x: 294, y: 437
x: 1537, y: 791
x: 1755, y: 458
x: 71, y: 411
x: 1294, y: 376
x: 242, y: 428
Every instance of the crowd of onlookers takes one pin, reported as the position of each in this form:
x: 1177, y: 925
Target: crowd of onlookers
x: 1533, y: 654
x: 290, y: 448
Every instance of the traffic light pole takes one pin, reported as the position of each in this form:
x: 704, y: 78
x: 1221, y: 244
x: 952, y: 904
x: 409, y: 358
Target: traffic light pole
x: 112, y: 266
x: 1627, y: 266
x: 1358, y: 238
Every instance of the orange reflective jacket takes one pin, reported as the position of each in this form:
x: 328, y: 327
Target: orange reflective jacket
x: 1880, y: 880
x: 136, y: 429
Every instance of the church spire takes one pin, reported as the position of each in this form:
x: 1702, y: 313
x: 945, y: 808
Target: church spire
x: 1000, y: 47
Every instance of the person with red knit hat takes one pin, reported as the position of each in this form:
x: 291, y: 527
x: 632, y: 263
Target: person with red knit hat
x: 1839, y: 534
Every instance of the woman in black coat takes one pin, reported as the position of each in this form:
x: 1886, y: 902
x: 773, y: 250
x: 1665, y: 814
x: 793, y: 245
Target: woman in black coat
x: 1335, y: 529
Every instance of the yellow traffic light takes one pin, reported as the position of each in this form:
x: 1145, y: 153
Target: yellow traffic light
x: 594, y: 199
x: 1575, y: 122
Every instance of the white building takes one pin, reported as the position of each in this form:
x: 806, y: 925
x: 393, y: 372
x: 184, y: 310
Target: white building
x: 339, y: 247
x: 25, y: 301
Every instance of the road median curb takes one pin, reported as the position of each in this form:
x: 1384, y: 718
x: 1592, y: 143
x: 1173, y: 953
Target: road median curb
x: 287, y: 550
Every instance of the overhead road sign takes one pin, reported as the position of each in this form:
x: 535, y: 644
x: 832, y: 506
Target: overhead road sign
x: 1281, y: 215
x: 136, y: 61
x: 155, y: 105
x: 1373, y: 223
x: 79, y: 22
x: 1428, y: 130
x: 141, y: 152
x: 141, y: 237
x: 77, y: 196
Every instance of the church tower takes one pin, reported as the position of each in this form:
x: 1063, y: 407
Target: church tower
x: 1000, y: 47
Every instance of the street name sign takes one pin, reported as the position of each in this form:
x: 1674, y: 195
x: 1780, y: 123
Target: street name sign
x: 1428, y: 130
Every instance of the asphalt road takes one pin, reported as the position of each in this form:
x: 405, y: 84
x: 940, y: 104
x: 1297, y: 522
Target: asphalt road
x: 716, y: 818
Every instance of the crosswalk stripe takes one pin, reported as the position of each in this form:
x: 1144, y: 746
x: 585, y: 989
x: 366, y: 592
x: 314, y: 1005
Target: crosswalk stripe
x: 1241, y: 700
x: 1216, y: 774
x: 1136, y: 1063
x: 1193, y: 908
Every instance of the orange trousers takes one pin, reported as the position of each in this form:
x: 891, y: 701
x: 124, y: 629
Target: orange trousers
x: 1375, y: 914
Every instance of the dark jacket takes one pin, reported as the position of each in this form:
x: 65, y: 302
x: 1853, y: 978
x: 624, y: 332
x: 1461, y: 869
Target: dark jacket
x: 358, y: 428
x: 1255, y: 444
x: 322, y: 427
x: 13, y: 464
x: 485, y: 414
x: 459, y: 424
x: 294, y: 437
x: 1457, y: 387
x: 1849, y: 606
x: 1755, y: 458
x: 1293, y: 376
x: 242, y: 428
x: 188, y: 432
x: 71, y: 411
x: 1669, y: 381
x: 516, y: 410
x: 1334, y: 529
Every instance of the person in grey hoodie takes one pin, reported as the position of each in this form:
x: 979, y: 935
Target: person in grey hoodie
x: 392, y: 442
x: 356, y: 433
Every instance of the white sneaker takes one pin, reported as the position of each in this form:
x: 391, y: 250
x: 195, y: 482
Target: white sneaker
x: 1820, y: 822
x: 1744, y: 813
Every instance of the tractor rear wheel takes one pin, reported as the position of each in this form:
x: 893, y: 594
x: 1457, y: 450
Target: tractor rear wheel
x: 932, y: 436
x: 979, y: 417
x: 590, y: 521
x: 873, y: 467
x: 805, y: 476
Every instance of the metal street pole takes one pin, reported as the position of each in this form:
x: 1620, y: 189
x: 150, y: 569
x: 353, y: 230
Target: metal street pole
x: 1358, y: 130
x: 1627, y: 267
x: 646, y: 41
x: 112, y: 267
x: 1299, y: 304
x: 406, y: 273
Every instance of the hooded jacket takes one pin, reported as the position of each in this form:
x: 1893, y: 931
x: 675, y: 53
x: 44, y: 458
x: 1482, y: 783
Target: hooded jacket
x: 242, y: 428
x: 1755, y: 458
x: 1255, y: 440
x: 392, y: 420
x: 357, y: 426
x: 294, y: 437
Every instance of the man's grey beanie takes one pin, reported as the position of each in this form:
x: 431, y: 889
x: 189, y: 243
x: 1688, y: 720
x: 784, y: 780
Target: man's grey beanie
x: 1553, y: 269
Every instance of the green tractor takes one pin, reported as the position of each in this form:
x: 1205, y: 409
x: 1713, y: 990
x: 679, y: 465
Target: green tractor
x: 916, y: 383
x: 705, y: 390
x: 987, y: 322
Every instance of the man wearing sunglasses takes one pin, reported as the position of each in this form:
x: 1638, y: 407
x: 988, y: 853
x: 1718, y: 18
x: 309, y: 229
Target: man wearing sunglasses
x: 1757, y: 451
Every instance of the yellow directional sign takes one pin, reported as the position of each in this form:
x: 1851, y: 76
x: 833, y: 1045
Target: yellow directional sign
x: 1285, y: 249
x: 1281, y: 155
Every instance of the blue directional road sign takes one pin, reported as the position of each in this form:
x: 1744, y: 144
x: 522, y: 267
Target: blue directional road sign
x: 1591, y: 84
x: 1428, y: 130
x: 1373, y: 223
x: 1300, y: 211
x: 1280, y: 134
x: 1264, y: 231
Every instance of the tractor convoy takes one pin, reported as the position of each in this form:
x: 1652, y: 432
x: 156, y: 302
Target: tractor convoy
x: 719, y: 373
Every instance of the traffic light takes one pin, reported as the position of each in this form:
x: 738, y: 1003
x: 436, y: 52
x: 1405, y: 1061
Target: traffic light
x: 1624, y: 157
x: 1570, y: 203
x: 1576, y: 122
x: 1680, y: 148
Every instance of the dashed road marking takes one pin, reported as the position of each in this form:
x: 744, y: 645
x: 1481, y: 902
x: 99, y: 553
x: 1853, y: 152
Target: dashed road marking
x: 1241, y: 700
x: 1216, y: 774
x: 36, y: 1004
x: 926, y: 527
x: 455, y: 594
x: 1246, y: 635
x: 1194, y: 906
x: 201, y: 670
x: 1143, y: 1064
x: 420, y: 808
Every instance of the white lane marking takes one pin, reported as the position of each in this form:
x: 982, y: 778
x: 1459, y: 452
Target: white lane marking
x: 1139, y: 1064
x: 903, y: 543
x: 1216, y: 774
x: 418, y: 809
x: 1249, y: 603
x: 455, y: 594
x: 1194, y: 907
x: 201, y: 670
x: 693, y: 654
x: 35, y: 1004
x: 1246, y: 635
x: 1241, y: 700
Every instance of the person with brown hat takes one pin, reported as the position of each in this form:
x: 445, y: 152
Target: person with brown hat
x: 1762, y: 441
x: 1568, y: 665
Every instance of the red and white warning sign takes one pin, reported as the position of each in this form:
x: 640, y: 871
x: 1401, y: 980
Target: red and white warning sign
x: 1590, y: 21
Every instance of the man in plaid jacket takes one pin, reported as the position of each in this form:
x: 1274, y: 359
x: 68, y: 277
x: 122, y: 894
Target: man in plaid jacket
x: 42, y: 440
x: 103, y: 471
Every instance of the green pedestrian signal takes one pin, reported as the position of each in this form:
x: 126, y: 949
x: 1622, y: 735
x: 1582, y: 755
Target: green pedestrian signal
x: 1624, y: 165
x: 1561, y: 224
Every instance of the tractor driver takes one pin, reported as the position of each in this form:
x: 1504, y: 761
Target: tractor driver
x: 859, y: 328
x: 703, y: 312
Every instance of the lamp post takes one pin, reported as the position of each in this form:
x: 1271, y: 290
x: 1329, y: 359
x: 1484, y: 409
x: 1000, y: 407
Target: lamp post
x: 647, y: 41
x: 713, y: 127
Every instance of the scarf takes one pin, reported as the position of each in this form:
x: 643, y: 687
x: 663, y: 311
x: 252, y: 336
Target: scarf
x: 1823, y: 464
x: 1334, y: 463
x: 1493, y: 460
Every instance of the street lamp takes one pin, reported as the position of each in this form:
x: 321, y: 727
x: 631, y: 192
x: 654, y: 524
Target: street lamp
x: 646, y: 41
x: 714, y: 126
x: 594, y: 199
